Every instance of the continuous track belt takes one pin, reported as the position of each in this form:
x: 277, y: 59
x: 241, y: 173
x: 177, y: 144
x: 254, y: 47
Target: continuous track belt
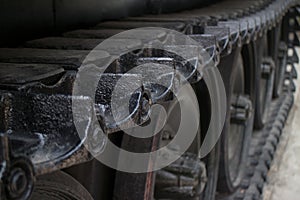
x: 262, y: 149
x: 218, y: 28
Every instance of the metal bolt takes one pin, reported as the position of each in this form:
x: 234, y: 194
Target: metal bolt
x: 282, y: 50
x: 145, y: 105
x: 97, y: 141
x: 267, y: 67
x: 241, y: 109
x: 266, y: 70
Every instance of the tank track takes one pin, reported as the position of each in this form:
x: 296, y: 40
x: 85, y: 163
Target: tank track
x: 219, y: 28
x: 262, y: 149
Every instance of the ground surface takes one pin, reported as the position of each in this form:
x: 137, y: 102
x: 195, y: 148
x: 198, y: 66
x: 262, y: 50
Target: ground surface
x: 284, y: 176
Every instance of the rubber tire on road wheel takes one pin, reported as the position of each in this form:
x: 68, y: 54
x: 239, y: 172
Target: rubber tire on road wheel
x: 274, y: 44
x: 59, y: 185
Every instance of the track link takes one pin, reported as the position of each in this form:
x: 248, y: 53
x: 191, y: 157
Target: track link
x: 219, y: 28
x: 262, y: 149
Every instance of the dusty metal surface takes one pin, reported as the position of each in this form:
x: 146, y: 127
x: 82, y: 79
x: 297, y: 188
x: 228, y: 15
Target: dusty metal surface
x: 36, y: 112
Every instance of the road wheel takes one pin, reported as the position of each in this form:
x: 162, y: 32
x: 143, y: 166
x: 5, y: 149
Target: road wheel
x: 266, y: 68
x: 236, y: 133
x: 59, y: 186
x: 189, y: 177
x: 278, y: 51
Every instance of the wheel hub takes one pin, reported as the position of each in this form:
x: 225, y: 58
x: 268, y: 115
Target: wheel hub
x: 241, y: 109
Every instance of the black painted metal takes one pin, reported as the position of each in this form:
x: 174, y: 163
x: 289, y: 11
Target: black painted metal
x: 36, y: 18
x: 35, y: 106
